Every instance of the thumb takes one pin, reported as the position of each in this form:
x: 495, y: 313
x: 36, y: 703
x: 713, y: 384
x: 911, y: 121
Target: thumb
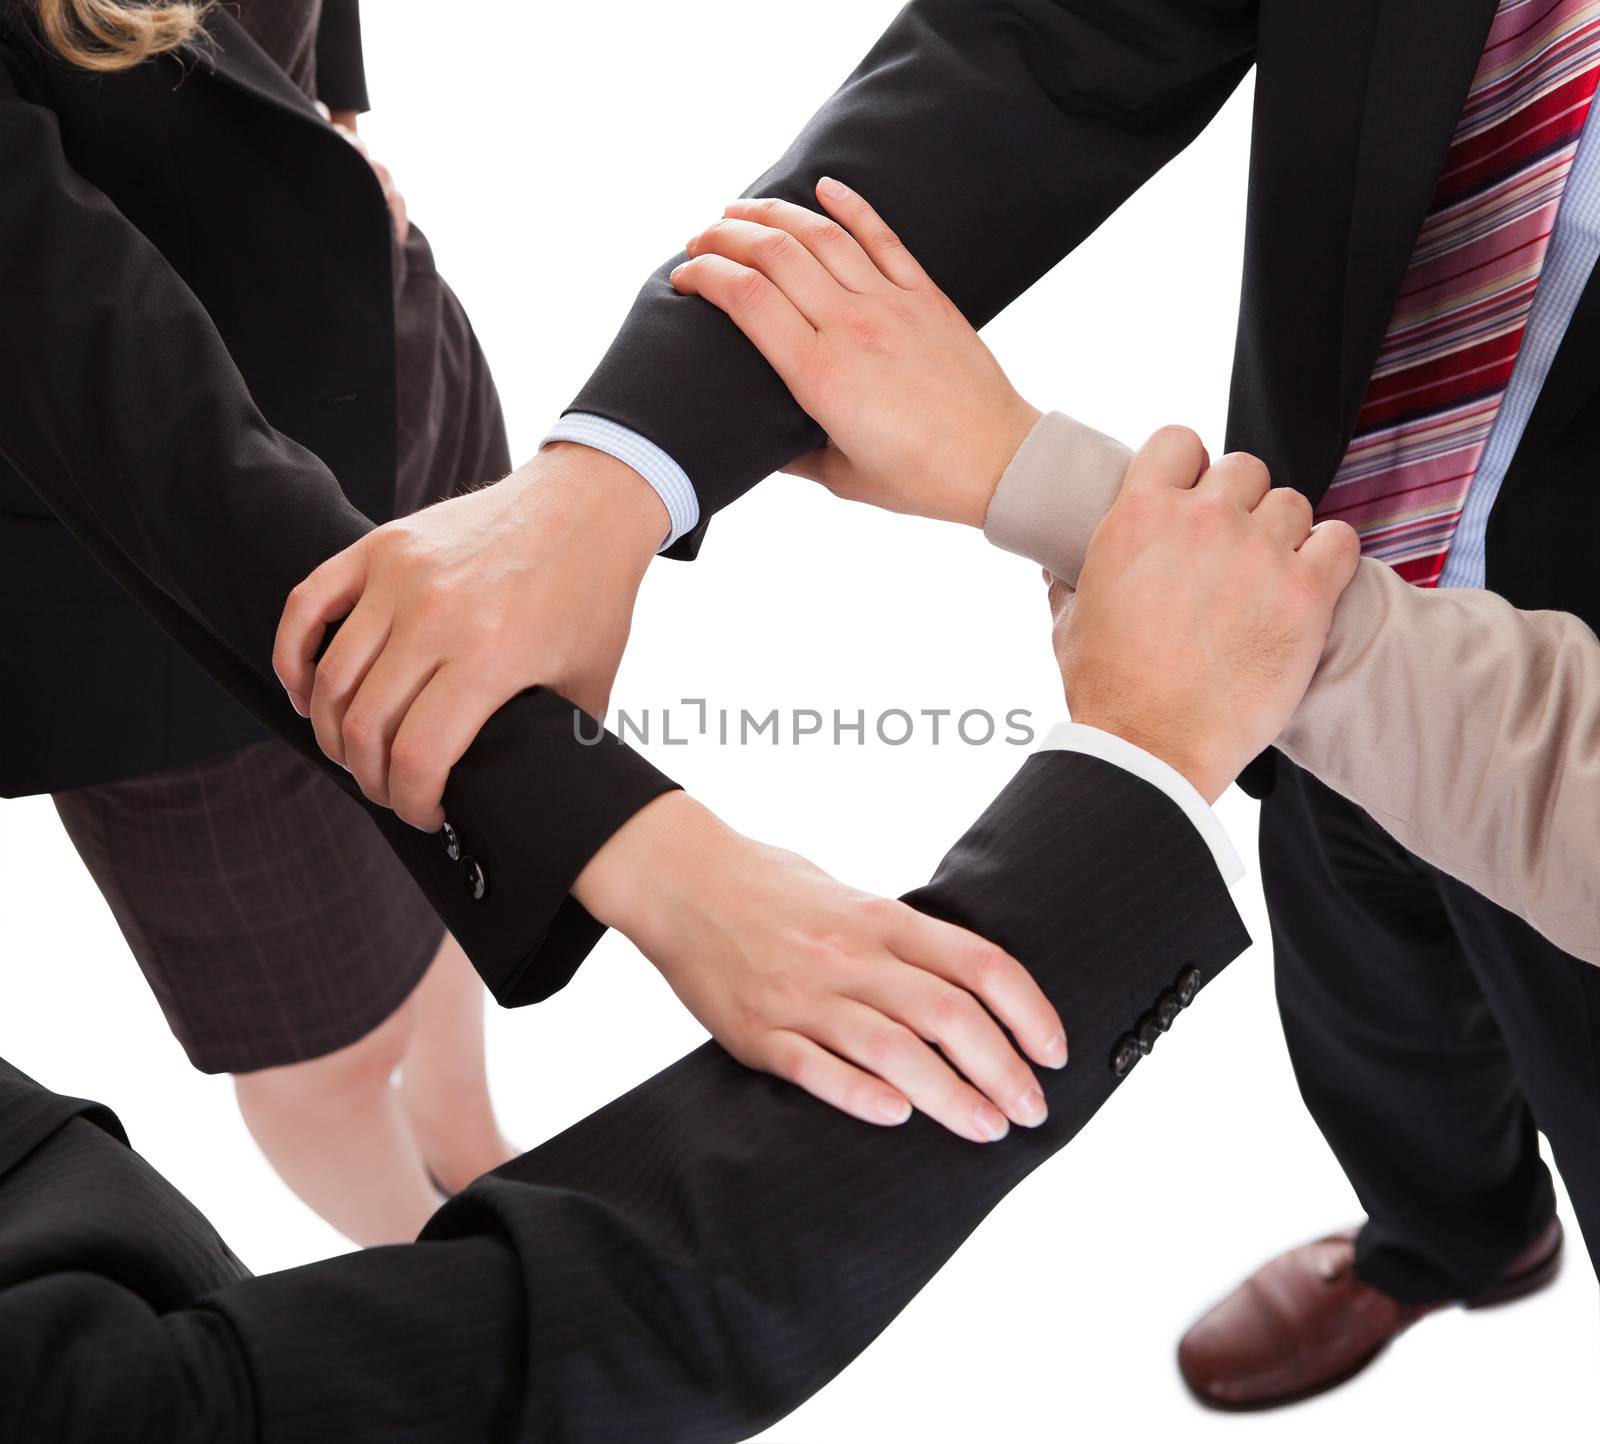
x: 1334, y: 551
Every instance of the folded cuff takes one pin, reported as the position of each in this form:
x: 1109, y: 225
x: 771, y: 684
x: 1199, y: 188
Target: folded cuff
x: 1062, y: 480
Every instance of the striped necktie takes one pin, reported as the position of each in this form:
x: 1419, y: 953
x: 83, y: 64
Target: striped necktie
x: 1464, y: 303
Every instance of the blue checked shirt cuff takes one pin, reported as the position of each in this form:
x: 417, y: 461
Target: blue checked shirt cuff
x: 1119, y: 752
x: 667, y: 479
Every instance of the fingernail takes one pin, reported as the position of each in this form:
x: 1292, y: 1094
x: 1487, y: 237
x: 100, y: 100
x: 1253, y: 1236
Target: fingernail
x: 688, y: 245
x: 893, y: 1110
x: 1031, y: 1108
x: 830, y: 188
x: 990, y: 1122
x: 1054, y: 1053
x: 676, y: 270
x: 299, y: 704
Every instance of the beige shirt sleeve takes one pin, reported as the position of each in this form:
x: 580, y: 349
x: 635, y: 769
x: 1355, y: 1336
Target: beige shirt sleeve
x: 1468, y: 729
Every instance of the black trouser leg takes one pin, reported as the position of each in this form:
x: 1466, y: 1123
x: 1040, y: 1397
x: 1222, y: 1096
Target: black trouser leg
x: 1547, y: 1003
x: 1402, y: 1056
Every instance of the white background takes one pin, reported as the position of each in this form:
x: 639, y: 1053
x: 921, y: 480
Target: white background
x: 555, y: 155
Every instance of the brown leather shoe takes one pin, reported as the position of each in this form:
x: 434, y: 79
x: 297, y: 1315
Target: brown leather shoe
x: 1304, y: 1323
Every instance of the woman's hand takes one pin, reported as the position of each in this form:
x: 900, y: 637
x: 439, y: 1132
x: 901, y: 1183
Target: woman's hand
x: 862, y: 1001
x: 446, y: 615
x: 920, y: 417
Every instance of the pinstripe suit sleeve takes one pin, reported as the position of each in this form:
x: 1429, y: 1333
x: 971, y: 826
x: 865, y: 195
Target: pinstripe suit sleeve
x: 1046, y: 114
x: 688, y: 1264
x: 694, y: 1260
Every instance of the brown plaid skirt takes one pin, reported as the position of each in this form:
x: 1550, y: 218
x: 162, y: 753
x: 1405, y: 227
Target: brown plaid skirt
x: 270, y: 918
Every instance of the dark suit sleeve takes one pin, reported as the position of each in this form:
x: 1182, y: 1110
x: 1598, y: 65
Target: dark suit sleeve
x: 341, y: 66
x: 120, y: 405
x: 688, y: 1264
x: 84, y: 1358
x: 697, y: 1258
x: 994, y: 135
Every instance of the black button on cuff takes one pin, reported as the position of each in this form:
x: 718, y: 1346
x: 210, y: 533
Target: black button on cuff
x: 452, y: 843
x: 1189, y: 981
x: 1148, y: 1033
x: 474, y: 879
x: 1125, y: 1055
x: 1167, y: 1009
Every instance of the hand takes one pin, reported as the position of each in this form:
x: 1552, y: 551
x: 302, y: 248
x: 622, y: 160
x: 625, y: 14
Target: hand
x: 920, y: 417
x: 835, y: 991
x: 344, y: 121
x: 449, y: 613
x: 1202, y: 609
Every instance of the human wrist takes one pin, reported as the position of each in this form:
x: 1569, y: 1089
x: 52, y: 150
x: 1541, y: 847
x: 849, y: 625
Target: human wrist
x: 630, y: 884
x: 1206, y: 766
x: 1004, y: 435
x: 595, y: 490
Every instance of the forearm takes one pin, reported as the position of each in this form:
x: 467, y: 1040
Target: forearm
x: 690, y: 1262
x: 697, y: 1258
x: 418, y: 1343
x: 1047, y: 113
x: 84, y: 1360
x: 1498, y: 778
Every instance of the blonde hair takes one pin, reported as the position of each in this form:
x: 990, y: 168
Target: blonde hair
x: 114, y: 35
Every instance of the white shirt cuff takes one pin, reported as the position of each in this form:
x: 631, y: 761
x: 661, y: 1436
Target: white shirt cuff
x: 667, y: 479
x: 1108, y: 747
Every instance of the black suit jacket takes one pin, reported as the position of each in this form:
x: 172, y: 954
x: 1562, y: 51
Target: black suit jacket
x: 159, y: 422
x: 687, y: 1264
x: 280, y: 232
x: 1043, y: 116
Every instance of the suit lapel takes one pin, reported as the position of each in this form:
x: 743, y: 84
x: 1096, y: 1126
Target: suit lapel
x: 1424, y: 55
x: 230, y: 54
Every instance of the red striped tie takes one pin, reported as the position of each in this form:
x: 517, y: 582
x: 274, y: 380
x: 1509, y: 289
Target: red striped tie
x: 1464, y: 304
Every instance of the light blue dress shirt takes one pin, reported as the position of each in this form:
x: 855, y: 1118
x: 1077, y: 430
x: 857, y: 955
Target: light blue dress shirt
x: 1569, y: 262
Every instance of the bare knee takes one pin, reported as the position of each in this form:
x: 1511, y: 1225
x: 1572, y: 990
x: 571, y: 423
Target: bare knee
x: 348, y: 1079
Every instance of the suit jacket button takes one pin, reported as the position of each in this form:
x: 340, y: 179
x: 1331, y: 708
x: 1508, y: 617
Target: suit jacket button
x: 452, y: 843
x: 1148, y: 1032
x: 1189, y: 981
x: 473, y: 878
x: 1167, y: 1009
x: 1125, y: 1055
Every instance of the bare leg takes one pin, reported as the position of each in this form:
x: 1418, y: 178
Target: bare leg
x: 444, y: 1086
x: 365, y: 1153
x: 336, y: 1132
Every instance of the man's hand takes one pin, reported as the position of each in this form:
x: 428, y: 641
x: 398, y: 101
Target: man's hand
x: 451, y: 612
x: 1202, y: 609
x: 862, y: 1001
x: 920, y: 417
